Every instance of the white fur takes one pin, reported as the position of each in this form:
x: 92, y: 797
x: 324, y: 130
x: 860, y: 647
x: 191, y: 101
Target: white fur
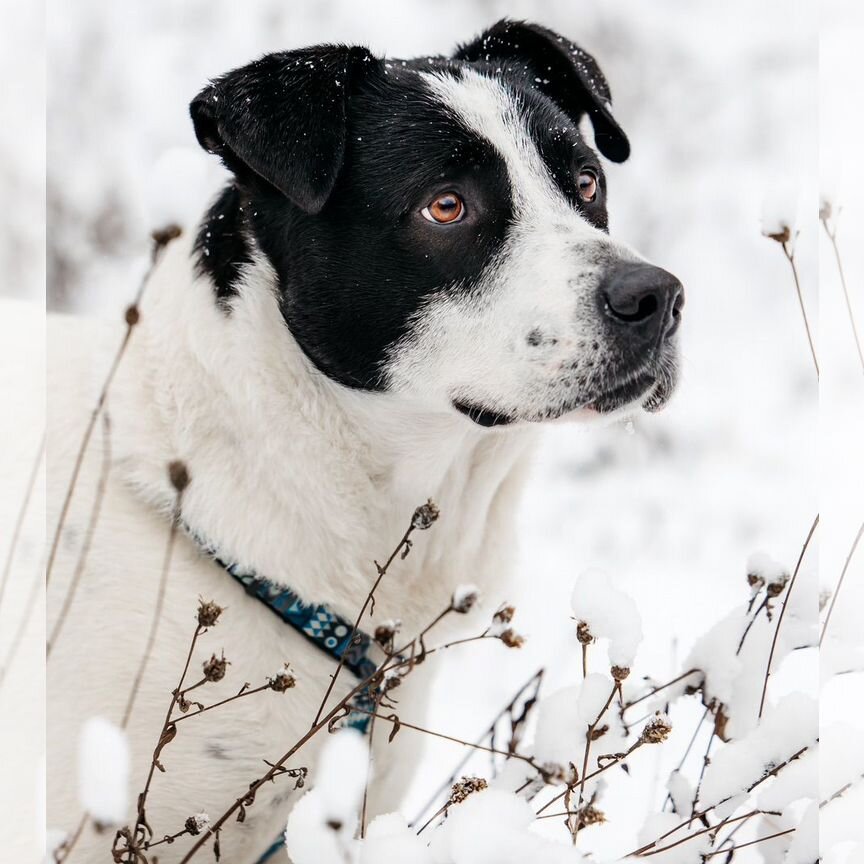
x: 472, y: 346
x: 301, y: 479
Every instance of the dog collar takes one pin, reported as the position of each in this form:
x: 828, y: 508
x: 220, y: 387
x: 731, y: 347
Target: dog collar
x: 328, y: 631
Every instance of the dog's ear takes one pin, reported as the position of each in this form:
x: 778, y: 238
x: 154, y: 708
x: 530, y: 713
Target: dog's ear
x: 565, y: 73
x: 284, y: 118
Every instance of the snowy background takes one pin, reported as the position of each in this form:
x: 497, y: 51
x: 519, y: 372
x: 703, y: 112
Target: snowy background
x: 720, y: 102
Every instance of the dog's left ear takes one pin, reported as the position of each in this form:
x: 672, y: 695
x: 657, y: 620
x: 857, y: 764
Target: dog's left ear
x: 565, y: 73
x: 284, y: 118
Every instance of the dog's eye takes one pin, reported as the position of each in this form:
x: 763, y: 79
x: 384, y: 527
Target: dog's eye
x: 445, y: 209
x: 587, y: 183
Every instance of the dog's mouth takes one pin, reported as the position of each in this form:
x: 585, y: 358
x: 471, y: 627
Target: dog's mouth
x: 651, y: 388
x: 482, y: 416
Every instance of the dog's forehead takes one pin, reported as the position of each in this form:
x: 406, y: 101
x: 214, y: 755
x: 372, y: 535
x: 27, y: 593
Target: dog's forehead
x: 536, y: 141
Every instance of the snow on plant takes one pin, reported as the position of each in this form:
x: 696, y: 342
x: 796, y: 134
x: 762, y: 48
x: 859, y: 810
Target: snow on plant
x: 103, y: 772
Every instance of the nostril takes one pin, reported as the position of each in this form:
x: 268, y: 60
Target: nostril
x: 633, y: 309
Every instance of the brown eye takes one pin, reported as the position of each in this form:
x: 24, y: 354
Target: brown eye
x: 587, y: 186
x: 445, y: 209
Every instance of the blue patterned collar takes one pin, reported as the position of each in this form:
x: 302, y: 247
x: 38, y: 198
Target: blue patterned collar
x: 329, y: 632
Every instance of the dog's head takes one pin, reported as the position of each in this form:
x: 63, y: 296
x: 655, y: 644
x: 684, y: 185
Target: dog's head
x: 438, y: 226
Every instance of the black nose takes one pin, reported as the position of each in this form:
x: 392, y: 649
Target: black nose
x: 643, y: 297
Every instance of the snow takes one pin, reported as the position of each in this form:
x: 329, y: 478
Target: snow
x: 610, y: 614
x: 688, y: 852
x: 103, y: 772
x: 673, y: 504
x: 465, y: 597
x: 784, y: 730
x: 389, y: 840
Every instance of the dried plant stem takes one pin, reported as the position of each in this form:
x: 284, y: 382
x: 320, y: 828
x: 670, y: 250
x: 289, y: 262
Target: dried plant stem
x: 141, y: 818
x: 23, y: 621
x: 832, y: 236
x: 65, y: 849
x: 752, y: 842
x: 588, y: 738
x: 404, y: 544
x: 241, y: 695
x: 657, y: 690
x: 160, y: 240
x: 84, y: 552
x: 374, y: 716
x: 783, y: 612
x: 702, y: 813
x: 157, y: 611
x: 834, y: 596
x: 396, y: 721
x: 19, y: 520
x: 653, y: 849
x: 534, y: 681
x: 790, y: 256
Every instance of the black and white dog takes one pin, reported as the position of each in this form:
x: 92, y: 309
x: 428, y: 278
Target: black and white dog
x: 409, y: 272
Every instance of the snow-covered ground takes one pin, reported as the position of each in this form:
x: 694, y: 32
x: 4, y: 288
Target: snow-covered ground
x: 723, y: 105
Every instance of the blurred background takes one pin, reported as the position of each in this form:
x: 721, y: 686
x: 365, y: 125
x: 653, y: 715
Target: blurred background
x: 721, y: 103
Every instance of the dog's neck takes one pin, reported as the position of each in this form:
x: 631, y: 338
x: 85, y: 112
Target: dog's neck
x: 301, y: 479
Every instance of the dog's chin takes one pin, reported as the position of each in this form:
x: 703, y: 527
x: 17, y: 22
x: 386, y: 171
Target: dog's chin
x: 649, y: 390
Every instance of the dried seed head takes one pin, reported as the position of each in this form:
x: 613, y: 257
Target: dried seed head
x: 512, y: 639
x: 784, y: 235
x: 132, y: 316
x: 208, y: 613
x: 178, y: 474
x: 194, y: 825
x: 282, y: 680
x: 163, y: 236
x: 583, y: 634
x: 755, y: 581
x: 775, y: 588
x: 466, y: 786
x: 825, y: 210
x: 214, y: 668
x: 591, y: 815
x: 504, y: 615
x: 656, y: 730
x: 465, y: 598
x: 424, y: 516
x: 620, y: 673
x: 386, y: 631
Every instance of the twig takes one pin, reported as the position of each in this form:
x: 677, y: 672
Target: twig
x: 160, y: 240
x: 751, y: 842
x: 84, y: 552
x: 832, y: 236
x: 402, y: 547
x: 656, y: 690
x: 401, y: 724
x: 790, y: 256
x: 157, y: 612
x: 242, y: 694
x: 690, y: 746
x: 535, y: 680
x: 840, y: 583
x: 19, y: 521
x: 66, y: 847
x: 783, y: 612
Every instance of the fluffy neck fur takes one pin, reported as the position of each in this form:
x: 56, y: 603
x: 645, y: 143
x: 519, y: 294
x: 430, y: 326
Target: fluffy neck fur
x: 295, y: 476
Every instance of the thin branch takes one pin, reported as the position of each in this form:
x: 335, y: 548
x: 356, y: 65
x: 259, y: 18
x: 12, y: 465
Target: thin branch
x: 832, y: 236
x: 90, y: 533
x: 404, y: 544
x: 241, y: 695
x: 160, y: 240
x: 157, y: 612
x: 751, y: 842
x: 24, y: 620
x: 783, y: 612
x: 848, y: 561
x: 656, y: 690
x: 790, y: 256
x: 19, y: 521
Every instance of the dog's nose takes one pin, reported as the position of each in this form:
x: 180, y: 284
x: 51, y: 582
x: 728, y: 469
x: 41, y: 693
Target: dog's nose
x: 644, y: 298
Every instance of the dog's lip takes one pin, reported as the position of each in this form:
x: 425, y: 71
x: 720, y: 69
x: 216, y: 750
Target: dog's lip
x: 482, y: 416
x: 625, y: 393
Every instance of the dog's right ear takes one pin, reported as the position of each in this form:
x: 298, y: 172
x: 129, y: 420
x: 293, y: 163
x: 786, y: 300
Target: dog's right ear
x: 284, y: 118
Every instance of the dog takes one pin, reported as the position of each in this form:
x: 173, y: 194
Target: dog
x: 409, y: 274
